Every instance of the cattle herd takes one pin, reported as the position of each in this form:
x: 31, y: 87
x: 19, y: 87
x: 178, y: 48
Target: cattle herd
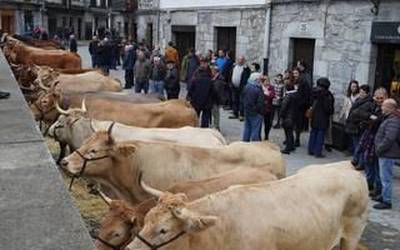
x: 172, y: 185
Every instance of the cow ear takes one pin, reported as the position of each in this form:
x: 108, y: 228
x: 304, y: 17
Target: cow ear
x: 199, y: 223
x: 193, y: 222
x: 126, y: 149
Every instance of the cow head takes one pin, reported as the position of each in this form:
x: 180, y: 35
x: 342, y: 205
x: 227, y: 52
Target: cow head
x: 97, y: 156
x: 44, y: 109
x: 63, y: 129
x: 46, y: 76
x: 169, y: 223
x: 116, y: 226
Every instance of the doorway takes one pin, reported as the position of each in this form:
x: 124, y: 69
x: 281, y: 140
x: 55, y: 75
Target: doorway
x: 52, y: 26
x: 226, y: 39
x: 79, y: 28
x: 185, y: 39
x: 303, y: 49
x: 387, y: 74
x: 7, y: 22
x: 149, y: 35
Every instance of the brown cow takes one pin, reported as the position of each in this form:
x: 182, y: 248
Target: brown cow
x: 44, y: 108
x: 117, y: 225
x: 23, y: 54
x: 44, y: 44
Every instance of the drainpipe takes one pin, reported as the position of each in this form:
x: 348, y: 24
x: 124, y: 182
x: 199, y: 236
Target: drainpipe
x: 158, y: 23
x: 267, y: 35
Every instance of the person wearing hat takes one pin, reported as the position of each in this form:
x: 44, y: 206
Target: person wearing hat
x: 320, y: 113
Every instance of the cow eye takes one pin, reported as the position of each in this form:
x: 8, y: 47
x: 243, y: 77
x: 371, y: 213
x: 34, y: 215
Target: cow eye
x: 163, y: 231
x: 93, y: 151
x: 116, y: 234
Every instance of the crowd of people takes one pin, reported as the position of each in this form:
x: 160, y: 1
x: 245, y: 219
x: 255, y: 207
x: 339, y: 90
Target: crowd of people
x: 214, y: 80
x: 373, y: 123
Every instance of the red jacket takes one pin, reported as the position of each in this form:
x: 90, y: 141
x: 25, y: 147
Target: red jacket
x: 268, y: 98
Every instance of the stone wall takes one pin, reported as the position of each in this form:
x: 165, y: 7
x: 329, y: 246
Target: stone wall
x: 342, y: 31
x: 249, y: 23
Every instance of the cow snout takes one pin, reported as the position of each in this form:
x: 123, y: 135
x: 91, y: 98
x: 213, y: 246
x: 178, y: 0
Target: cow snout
x: 64, y: 163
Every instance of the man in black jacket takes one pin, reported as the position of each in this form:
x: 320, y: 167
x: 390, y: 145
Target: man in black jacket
x: 93, y: 50
x: 321, y: 110
x: 73, y: 45
x: 200, y: 93
x: 387, y: 147
x: 288, y: 110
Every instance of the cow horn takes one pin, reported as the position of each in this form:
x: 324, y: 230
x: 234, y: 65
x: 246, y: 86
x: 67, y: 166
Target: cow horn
x: 110, y: 128
x: 54, y: 85
x: 60, y: 110
x: 105, y: 198
x: 41, y: 85
x: 96, y: 191
x: 152, y: 191
x: 84, y: 110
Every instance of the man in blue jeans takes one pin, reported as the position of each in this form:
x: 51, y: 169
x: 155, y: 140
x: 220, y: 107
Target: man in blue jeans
x: 253, y: 102
x: 321, y: 110
x: 387, y: 147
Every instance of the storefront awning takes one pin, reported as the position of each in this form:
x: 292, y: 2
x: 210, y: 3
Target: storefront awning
x: 385, y: 32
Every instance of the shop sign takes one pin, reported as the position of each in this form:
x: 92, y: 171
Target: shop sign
x: 385, y: 32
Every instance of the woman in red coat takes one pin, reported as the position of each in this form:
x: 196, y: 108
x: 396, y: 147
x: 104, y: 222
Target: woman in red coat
x: 269, y: 94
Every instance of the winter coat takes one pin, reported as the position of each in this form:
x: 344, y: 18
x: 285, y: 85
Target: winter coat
x: 129, y: 59
x: 104, y: 53
x: 142, y: 70
x: 200, y: 91
x: 268, y: 99
x: 322, y: 108
x: 359, y: 115
x: 387, y: 139
x: 253, y: 100
x: 288, y: 109
x: 344, y: 113
x: 93, y: 47
x: 228, y: 68
x: 221, y: 62
x: 184, y: 67
x: 73, y: 45
x: 244, y: 78
x: 171, y: 54
x: 157, y: 72
x: 218, y: 88
x: 303, y: 102
x: 172, y: 81
x: 193, y: 64
x: 279, y: 90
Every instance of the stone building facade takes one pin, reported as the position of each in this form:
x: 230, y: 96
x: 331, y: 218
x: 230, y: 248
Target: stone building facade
x: 203, y: 25
x: 337, y: 39
x: 82, y: 17
x: 19, y: 16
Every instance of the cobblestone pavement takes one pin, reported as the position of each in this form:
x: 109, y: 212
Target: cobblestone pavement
x: 383, y: 229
